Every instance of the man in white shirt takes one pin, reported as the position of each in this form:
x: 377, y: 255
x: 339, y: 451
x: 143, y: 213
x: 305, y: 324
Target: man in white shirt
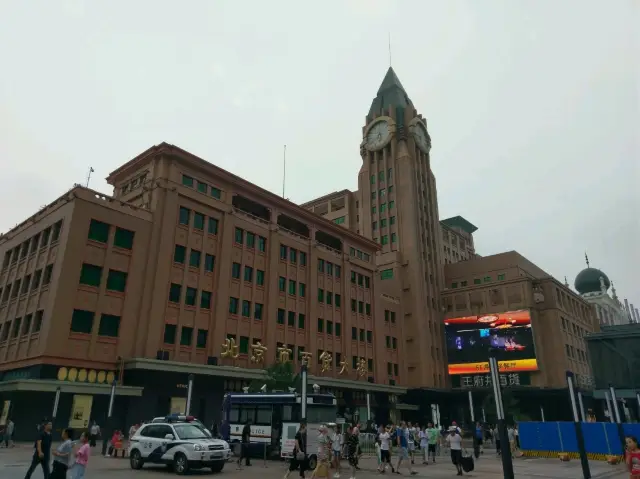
x: 336, y: 447
x: 385, y: 453
x: 454, y: 440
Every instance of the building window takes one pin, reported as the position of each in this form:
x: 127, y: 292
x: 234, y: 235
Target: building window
x: 117, y: 281
x: 90, y: 275
x: 384, y: 239
x: 246, y: 308
x: 337, y: 299
x: 303, y: 258
x: 194, y: 258
x: 280, y: 318
x: 187, y: 181
x: 293, y: 255
x: 392, y: 204
x: 37, y: 322
x: 190, y: 296
x: 201, y: 339
x: 339, y: 220
x: 373, y: 179
x: 82, y: 321
x: 257, y: 311
x: 320, y: 295
x: 209, y: 262
x: 477, y: 281
x: 174, y: 293
x: 186, y: 335
x: 392, y: 220
x: 320, y: 325
x: 260, y: 277
x: 386, y: 274
x: 463, y: 284
x: 292, y: 287
x: 248, y: 274
x: 169, y: 334
x: 454, y: 285
x: 98, y: 231
x: 213, y: 226
x: 244, y: 345
x: 179, y: 254
x: 202, y: 187
x: 205, y: 300
x: 321, y: 265
x: 198, y: 221
x: 233, y: 305
x: 501, y: 277
x: 216, y: 193
x: 123, y: 238
x: 109, y: 326
x: 302, y: 290
x: 251, y: 240
x: 487, y: 279
x: 301, y: 321
x: 239, y: 236
x: 394, y: 238
x: 291, y: 319
x: 235, y: 270
x: 262, y: 244
x: 282, y: 284
x: 185, y: 216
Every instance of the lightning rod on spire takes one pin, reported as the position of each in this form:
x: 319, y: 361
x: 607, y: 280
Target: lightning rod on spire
x: 586, y: 258
x: 284, y: 168
x: 389, y: 49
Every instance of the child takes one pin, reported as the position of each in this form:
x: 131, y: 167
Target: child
x: 82, y: 458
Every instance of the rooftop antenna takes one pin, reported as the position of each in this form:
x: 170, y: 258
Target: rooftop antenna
x: 284, y: 168
x: 389, y: 49
x: 91, y: 170
x: 586, y: 258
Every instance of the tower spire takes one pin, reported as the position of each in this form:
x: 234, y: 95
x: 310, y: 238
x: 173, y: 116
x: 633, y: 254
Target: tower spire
x: 586, y: 258
x: 566, y: 283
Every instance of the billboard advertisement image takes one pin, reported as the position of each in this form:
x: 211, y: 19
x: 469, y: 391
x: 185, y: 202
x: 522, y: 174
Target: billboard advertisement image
x: 509, y: 334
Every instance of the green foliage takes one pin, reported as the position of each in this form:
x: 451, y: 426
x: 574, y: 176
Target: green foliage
x: 511, y: 406
x: 280, y: 377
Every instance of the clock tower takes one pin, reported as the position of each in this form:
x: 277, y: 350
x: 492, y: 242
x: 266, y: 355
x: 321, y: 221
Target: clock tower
x: 398, y: 208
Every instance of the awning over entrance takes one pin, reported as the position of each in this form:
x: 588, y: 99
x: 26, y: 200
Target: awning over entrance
x: 49, y: 385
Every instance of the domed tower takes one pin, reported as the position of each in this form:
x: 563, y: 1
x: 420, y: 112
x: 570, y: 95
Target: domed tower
x: 398, y: 207
x: 593, y: 285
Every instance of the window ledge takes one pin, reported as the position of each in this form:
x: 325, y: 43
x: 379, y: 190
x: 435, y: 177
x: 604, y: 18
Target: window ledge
x: 83, y: 336
x: 107, y: 339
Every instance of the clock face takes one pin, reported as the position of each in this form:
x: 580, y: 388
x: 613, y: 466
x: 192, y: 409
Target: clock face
x: 422, y: 137
x: 378, y: 135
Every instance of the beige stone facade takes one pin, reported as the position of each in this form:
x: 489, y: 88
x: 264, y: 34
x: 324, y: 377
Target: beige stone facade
x: 182, y: 257
x: 560, y: 318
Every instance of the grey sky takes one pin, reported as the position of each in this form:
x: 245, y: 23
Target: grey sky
x: 533, y: 107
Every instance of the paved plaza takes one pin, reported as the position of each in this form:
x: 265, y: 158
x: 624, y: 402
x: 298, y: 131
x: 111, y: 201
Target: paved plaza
x: 14, y: 463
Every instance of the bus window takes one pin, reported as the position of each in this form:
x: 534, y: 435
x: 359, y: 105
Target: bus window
x: 263, y: 416
x: 321, y: 415
x: 247, y: 414
x: 234, y: 415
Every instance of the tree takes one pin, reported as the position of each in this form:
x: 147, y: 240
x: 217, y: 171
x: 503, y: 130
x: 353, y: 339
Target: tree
x: 512, y: 411
x: 280, y: 377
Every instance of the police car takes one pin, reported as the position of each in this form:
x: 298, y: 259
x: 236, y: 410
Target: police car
x: 178, y: 443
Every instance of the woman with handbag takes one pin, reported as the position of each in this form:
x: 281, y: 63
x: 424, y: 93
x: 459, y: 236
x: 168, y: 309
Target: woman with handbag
x: 299, y: 459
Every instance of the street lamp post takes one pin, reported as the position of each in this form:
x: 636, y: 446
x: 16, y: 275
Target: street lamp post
x: 586, y: 472
x: 584, y: 417
x: 56, y: 401
x: 105, y: 439
x: 616, y: 411
x: 189, y: 393
x: 303, y: 393
x: 507, y: 460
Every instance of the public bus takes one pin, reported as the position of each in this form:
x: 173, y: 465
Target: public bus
x: 275, y: 418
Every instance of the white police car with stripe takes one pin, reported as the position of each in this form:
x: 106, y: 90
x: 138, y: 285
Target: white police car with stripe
x: 178, y: 442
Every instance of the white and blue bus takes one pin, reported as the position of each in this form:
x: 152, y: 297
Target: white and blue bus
x: 275, y: 418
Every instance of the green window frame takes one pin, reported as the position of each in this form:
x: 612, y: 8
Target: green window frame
x: 303, y: 258
x: 282, y: 284
x: 246, y: 308
x: 280, y: 316
x: 216, y: 192
x: 239, y: 236
x: 99, y: 231
x: 205, y: 299
x: 209, y: 262
x: 291, y: 318
x: 235, y: 270
x: 244, y: 345
x: 109, y: 326
x: 201, y: 338
x: 292, y: 287
x: 82, y: 321
x: 257, y: 310
x: 175, y: 291
x: 302, y: 290
x: 179, y: 254
x: 117, y: 280
x: 203, y: 187
x: 320, y: 295
x: 262, y: 244
x: 184, y: 217
x: 233, y: 305
x: 195, y: 257
x: 386, y: 274
x: 187, y: 181
x: 260, y: 277
x: 251, y: 240
x: 186, y: 336
x: 91, y: 275
x: 320, y: 325
x: 169, y: 334
x: 198, y: 221
x: 301, y: 321
x: 190, y: 296
x: 123, y: 238
x: 248, y: 274
x: 213, y: 226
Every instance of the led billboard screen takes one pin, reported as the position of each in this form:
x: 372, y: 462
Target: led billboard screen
x: 509, y: 334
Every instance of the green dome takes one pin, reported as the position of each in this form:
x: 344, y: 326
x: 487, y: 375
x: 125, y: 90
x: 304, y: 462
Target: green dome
x: 588, y: 281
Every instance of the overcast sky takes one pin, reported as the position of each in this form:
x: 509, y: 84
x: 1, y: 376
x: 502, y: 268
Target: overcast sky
x: 533, y: 107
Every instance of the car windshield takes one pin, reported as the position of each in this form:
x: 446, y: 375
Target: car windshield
x: 189, y: 431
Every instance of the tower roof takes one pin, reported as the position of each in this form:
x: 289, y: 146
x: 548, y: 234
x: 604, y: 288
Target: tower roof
x: 390, y: 93
x: 588, y: 281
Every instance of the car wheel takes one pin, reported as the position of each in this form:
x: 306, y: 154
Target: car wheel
x: 313, y: 462
x: 180, y: 464
x: 218, y: 466
x: 135, y: 459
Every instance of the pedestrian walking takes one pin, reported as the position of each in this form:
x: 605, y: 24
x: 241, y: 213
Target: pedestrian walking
x: 78, y: 470
x: 244, y: 446
x: 62, y: 456
x: 42, y: 452
x: 94, y: 433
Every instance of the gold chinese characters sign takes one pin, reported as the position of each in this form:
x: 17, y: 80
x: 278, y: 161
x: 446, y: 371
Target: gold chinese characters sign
x: 257, y: 353
x: 85, y: 376
x: 325, y: 359
x: 284, y: 354
x: 305, y: 358
x: 229, y: 349
x: 361, y: 370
